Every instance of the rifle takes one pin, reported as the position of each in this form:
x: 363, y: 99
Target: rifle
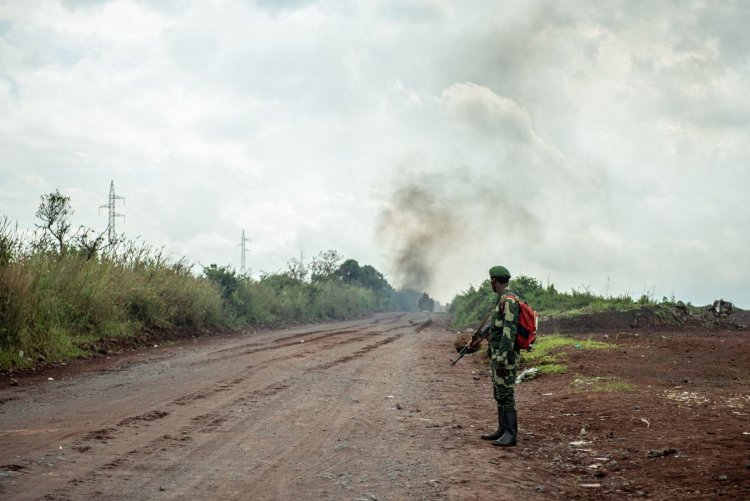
x: 481, y: 333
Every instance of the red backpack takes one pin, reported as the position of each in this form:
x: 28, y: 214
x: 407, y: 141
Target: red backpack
x: 528, y: 319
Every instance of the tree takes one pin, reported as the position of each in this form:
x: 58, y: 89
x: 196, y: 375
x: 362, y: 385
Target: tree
x: 373, y: 279
x: 526, y: 286
x: 296, y: 269
x: 325, y: 264
x: 349, y: 271
x: 224, y: 277
x: 54, y: 213
x: 426, y: 303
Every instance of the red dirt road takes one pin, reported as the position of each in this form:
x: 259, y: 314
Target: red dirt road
x: 371, y: 409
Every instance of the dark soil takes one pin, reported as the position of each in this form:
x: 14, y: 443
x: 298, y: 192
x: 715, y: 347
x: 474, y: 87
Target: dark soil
x: 674, y: 422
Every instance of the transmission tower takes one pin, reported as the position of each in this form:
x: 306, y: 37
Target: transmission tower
x: 243, y: 252
x: 111, y: 233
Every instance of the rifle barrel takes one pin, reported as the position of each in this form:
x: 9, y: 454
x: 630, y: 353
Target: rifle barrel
x: 476, y: 338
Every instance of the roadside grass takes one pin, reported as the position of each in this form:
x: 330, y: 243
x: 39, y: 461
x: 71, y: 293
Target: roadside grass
x: 552, y: 369
x: 549, y: 353
x: 59, y: 307
x: 63, y: 294
x: 600, y: 384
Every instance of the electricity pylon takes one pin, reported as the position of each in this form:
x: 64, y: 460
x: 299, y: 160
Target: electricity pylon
x: 243, y: 252
x: 111, y: 233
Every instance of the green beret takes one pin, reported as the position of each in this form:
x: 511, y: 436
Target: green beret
x: 499, y: 272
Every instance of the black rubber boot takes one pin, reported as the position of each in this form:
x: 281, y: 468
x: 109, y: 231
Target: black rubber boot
x: 500, y: 429
x: 511, y: 430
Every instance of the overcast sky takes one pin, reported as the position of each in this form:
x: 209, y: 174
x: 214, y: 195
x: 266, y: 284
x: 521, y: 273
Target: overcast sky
x: 592, y: 144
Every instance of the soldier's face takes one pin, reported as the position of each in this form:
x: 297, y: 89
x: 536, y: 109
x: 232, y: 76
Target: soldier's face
x: 496, y: 285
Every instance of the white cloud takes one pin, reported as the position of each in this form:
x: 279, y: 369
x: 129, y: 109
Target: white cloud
x: 615, y: 135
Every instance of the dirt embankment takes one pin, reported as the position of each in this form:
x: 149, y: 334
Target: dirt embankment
x: 372, y: 409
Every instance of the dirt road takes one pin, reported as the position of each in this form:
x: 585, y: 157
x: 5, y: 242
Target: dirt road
x: 372, y: 410
x: 358, y: 410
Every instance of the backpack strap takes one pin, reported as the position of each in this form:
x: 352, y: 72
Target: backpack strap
x: 502, y: 303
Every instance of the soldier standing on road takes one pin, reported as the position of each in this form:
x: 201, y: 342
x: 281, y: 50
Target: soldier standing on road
x: 504, y: 358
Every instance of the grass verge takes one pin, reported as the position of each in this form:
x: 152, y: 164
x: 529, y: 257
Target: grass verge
x: 549, y: 353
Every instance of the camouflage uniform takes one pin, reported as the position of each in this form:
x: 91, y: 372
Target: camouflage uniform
x: 503, y: 359
x: 504, y: 354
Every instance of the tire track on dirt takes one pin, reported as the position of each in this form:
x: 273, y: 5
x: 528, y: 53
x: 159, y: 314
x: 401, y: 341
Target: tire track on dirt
x: 289, y: 340
x: 308, y: 336
x: 220, y: 428
x: 330, y: 455
x: 224, y: 386
x: 207, y: 392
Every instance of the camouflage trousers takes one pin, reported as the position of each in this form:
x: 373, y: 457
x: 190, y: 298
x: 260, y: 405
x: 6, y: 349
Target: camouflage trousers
x: 503, y: 386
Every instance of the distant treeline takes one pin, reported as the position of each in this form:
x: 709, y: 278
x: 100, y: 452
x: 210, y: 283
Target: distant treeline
x: 469, y: 306
x: 61, y: 290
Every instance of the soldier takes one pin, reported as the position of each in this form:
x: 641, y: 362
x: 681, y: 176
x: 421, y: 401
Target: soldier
x: 504, y: 355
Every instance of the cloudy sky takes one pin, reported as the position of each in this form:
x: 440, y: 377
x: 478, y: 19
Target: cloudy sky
x: 602, y: 145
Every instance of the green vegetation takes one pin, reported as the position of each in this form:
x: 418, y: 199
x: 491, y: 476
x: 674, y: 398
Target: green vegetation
x: 51, y: 305
x: 62, y: 290
x: 549, y: 352
x: 600, y: 384
x: 299, y: 295
x: 552, y: 369
x: 470, y: 306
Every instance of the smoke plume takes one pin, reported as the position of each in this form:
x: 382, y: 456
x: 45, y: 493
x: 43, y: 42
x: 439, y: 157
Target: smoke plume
x: 419, y: 226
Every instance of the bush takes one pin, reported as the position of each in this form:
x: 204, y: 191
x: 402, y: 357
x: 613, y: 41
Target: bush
x: 469, y: 306
x: 281, y: 298
x: 50, y: 304
x: 62, y: 291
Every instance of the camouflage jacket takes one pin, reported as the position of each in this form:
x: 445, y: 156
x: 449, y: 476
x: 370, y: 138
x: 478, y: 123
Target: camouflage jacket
x: 504, y: 327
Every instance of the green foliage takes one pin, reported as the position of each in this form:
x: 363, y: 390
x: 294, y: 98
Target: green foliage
x: 59, y: 293
x: 325, y: 264
x: 10, y: 242
x: 546, y: 345
x: 49, y: 304
x: 224, y: 277
x: 549, y: 352
x: 552, y: 369
x: 279, y: 298
x: 551, y: 303
x: 350, y: 272
x: 469, y: 306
